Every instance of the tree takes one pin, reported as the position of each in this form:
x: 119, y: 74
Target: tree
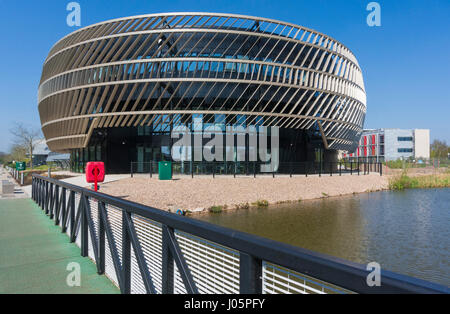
x: 18, y: 153
x: 3, y: 157
x: 439, y: 149
x: 25, y: 137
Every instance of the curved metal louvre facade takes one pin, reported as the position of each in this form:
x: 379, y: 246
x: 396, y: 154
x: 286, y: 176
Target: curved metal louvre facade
x: 163, y: 68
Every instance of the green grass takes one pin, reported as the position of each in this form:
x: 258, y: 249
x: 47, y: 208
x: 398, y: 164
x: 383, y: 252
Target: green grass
x: 261, y: 203
x: 216, y: 209
x: 419, y: 182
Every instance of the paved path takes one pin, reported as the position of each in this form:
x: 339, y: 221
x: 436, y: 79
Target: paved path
x: 34, y: 254
x: 19, y: 192
x: 80, y: 180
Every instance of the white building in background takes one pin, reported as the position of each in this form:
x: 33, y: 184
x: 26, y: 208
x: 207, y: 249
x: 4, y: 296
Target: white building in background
x: 392, y: 144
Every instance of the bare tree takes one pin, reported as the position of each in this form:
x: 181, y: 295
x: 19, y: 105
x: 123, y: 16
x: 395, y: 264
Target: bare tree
x: 26, y: 137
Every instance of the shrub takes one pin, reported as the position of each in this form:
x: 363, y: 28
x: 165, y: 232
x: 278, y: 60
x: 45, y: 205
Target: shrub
x: 261, y: 203
x: 216, y: 209
x: 243, y: 206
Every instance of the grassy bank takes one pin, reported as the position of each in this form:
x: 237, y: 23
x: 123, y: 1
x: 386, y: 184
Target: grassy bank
x: 404, y: 181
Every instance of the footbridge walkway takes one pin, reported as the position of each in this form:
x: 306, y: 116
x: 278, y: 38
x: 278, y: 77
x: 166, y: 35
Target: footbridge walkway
x: 35, y: 257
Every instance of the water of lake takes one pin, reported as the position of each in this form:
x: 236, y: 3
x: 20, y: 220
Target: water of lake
x: 404, y: 231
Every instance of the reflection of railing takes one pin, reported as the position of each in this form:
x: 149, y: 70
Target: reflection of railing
x: 146, y: 250
x: 251, y: 168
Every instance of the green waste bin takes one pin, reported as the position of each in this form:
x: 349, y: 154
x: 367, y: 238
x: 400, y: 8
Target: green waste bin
x: 21, y: 166
x: 165, y: 170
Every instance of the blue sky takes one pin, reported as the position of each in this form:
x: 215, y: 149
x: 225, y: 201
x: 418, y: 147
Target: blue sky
x: 405, y: 62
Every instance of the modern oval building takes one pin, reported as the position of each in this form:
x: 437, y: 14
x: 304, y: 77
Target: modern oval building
x: 113, y: 91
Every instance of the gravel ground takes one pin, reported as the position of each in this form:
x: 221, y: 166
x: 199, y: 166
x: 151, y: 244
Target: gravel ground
x: 201, y: 193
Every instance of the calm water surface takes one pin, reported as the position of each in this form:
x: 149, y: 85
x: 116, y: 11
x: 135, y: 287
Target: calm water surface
x: 407, y: 232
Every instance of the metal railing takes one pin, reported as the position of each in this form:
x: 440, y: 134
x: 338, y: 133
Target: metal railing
x: 146, y: 250
x: 251, y: 168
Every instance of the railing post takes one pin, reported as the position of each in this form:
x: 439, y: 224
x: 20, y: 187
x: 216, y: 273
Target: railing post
x: 250, y: 274
x: 72, y: 210
x: 84, y: 228
x: 381, y: 169
x: 131, y: 169
x: 52, y: 200
x: 101, y: 240
x: 151, y: 169
x: 36, y: 191
x: 57, y: 204
x: 126, y: 256
x: 49, y: 198
x: 39, y: 192
x: 44, y: 205
x: 331, y: 169
x: 167, y: 266
x: 254, y: 169
x: 63, y: 205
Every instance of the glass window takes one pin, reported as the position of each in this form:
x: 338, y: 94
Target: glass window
x: 86, y: 154
x: 91, y: 153
x: 99, y: 153
x: 405, y: 138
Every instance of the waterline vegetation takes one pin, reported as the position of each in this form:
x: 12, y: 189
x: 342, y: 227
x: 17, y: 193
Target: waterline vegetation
x: 404, y: 181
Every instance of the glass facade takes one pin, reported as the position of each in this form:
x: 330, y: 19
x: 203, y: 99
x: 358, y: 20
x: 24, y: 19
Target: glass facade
x: 119, y: 147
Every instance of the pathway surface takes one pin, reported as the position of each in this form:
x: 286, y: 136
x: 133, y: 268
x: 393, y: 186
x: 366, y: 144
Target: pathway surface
x: 34, y: 254
x: 19, y: 192
x: 80, y: 180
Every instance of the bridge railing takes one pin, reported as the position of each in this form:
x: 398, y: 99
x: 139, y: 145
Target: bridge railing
x: 146, y: 250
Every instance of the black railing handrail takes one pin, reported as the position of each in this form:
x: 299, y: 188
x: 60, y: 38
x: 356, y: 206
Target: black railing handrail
x: 250, y: 167
x: 346, y: 274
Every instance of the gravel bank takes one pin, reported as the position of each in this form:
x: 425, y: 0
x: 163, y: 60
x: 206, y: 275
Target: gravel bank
x: 201, y: 193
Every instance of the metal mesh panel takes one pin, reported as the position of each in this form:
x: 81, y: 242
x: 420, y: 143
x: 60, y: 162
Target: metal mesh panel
x: 94, y: 216
x: 137, y: 284
x: 280, y: 280
x: 149, y: 234
x: 115, y: 223
x: 215, y: 268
